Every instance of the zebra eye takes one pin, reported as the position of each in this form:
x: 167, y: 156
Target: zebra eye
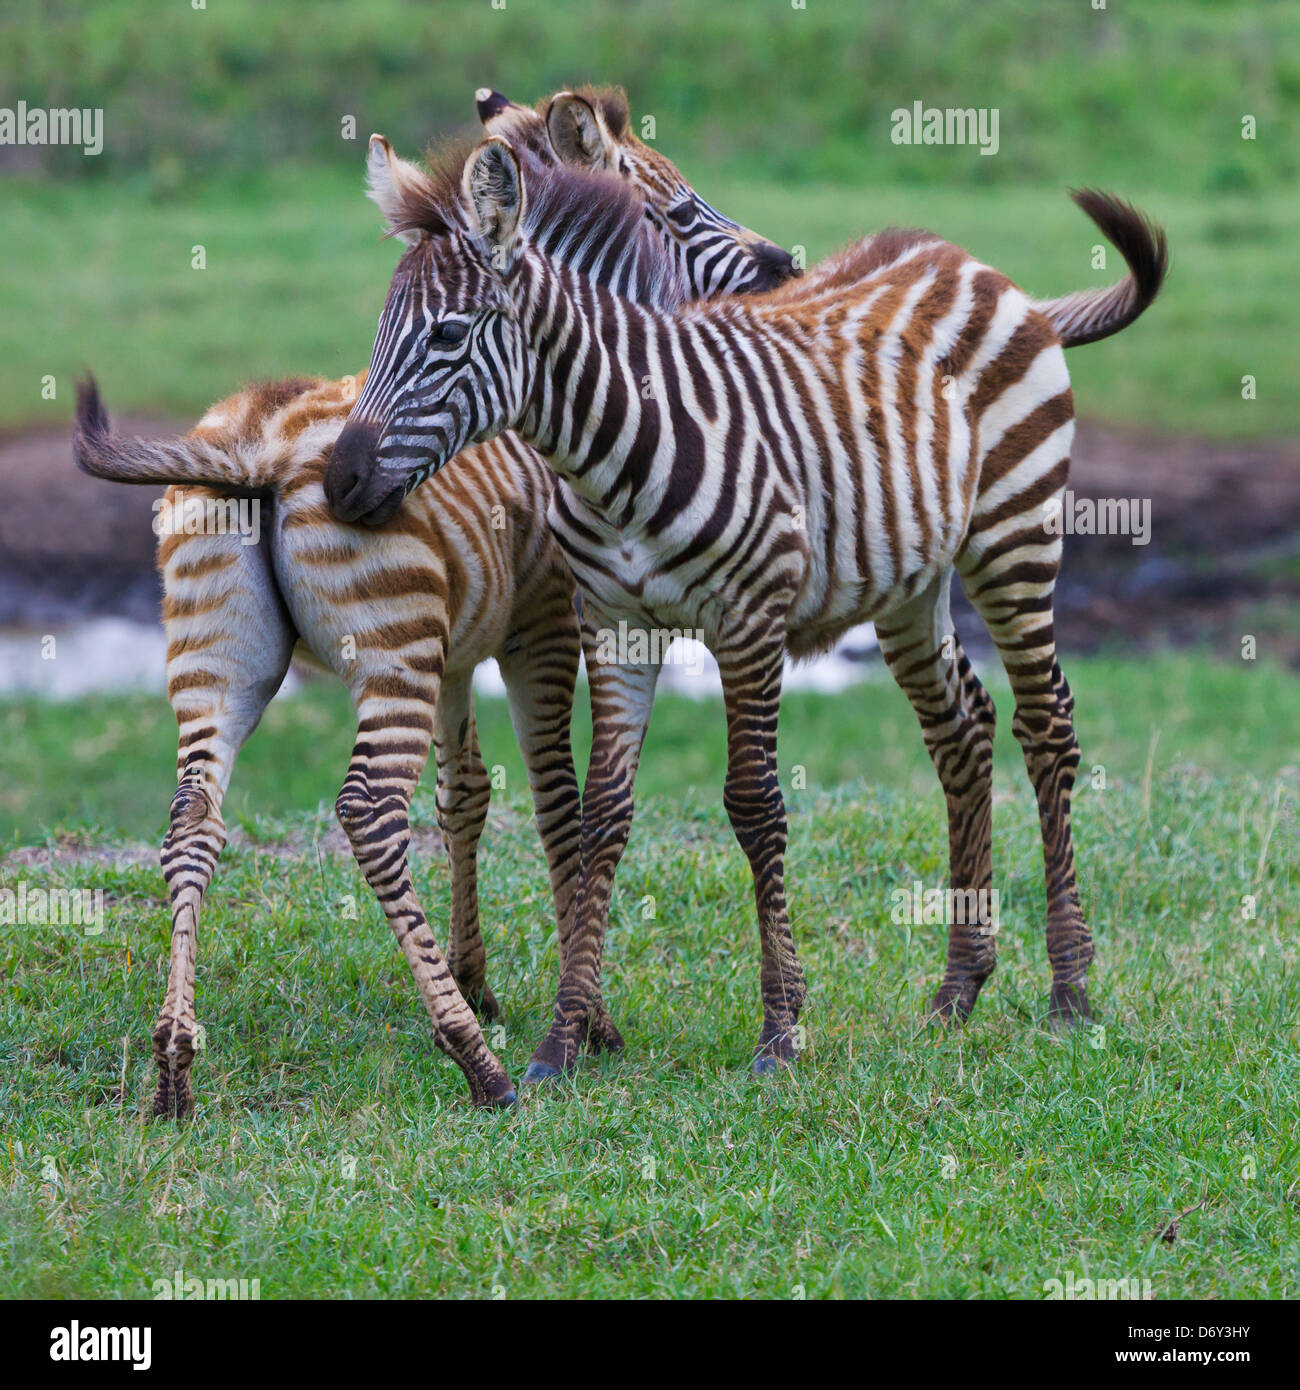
x: 448, y: 331
x: 681, y: 214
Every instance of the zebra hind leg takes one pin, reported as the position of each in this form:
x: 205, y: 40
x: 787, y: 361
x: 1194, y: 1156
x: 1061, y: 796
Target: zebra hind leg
x: 463, y: 795
x: 957, y: 720
x: 195, y: 838
x: 229, y: 644
x: 392, y: 747
x: 751, y: 664
x: 1014, y: 599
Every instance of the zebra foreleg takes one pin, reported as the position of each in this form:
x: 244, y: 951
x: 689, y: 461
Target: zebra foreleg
x: 539, y: 663
x: 621, y: 700
x: 751, y: 666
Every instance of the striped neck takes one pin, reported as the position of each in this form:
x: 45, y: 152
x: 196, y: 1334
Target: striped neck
x: 592, y: 404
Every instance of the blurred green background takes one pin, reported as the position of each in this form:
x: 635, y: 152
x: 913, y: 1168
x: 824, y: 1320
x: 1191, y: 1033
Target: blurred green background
x: 224, y: 127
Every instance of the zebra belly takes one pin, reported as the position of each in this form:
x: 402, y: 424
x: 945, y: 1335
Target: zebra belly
x: 883, y: 533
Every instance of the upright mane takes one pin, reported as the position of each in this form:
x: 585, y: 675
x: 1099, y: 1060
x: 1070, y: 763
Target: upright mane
x: 596, y: 224
x: 590, y: 221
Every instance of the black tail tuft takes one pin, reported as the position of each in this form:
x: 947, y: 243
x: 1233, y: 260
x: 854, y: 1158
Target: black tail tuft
x: 92, y: 424
x: 1087, y: 315
x: 1143, y: 245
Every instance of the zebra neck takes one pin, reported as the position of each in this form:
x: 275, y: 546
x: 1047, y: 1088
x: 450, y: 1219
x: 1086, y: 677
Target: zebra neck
x: 596, y: 408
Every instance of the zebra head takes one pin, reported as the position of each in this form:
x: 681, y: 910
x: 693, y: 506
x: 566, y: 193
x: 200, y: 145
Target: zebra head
x: 444, y: 336
x: 590, y: 129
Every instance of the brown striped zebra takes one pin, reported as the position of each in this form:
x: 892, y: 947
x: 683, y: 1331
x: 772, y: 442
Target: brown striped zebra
x: 402, y: 615
x: 770, y: 470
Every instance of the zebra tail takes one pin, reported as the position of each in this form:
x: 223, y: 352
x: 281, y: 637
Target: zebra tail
x: 1087, y: 315
x: 126, y: 459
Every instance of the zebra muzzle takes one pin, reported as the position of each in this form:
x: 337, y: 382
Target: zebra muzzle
x: 355, y: 488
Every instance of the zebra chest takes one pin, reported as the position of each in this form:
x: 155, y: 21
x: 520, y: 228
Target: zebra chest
x: 627, y: 580
x: 612, y: 565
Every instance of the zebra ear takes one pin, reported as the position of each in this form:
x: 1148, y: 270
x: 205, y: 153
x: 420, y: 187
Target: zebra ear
x: 576, y: 133
x: 399, y: 189
x: 494, y: 187
x: 490, y: 104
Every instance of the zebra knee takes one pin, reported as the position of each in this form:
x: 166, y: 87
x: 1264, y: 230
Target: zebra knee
x: 607, y: 822
x: 355, y: 809
x: 977, y: 699
x: 193, y: 812
x: 1046, y: 737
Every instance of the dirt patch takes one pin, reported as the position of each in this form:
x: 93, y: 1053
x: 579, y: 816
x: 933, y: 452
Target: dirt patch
x: 72, y: 546
x: 77, y: 848
x: 1224, y: 541
x: 1224, y: 549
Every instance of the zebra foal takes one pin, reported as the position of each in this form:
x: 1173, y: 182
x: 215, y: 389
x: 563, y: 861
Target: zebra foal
x: 770, y: 470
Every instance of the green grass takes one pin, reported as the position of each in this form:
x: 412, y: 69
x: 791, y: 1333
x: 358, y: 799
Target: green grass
x: 108, y: 763
x: 1156, y: 89
x: 296, y: 273
x: 895, y: 1160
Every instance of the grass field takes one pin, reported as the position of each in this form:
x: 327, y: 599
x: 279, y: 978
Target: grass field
x: 334, y: 1152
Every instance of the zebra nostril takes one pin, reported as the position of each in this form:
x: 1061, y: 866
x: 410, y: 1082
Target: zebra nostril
x: 351, y: 465
x: 776, y: 265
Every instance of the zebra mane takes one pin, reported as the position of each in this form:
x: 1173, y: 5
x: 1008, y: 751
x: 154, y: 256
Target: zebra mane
x: 429, y: 198
x: 566, y: 204
x: 590, y: 221
x: 595, y: 222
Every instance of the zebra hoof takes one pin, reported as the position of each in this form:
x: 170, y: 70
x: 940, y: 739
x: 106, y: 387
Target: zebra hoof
x: 602, y: 1036
x: 538, y: 1072
x: 484, y: 1004
x: 504, y: 1102
x: 773, y: 1057
x: 1068, y: 1008
x: 954, y: 1003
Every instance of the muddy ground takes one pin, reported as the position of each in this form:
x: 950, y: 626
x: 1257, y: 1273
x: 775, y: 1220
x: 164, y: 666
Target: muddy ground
x: 1223, y: 557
